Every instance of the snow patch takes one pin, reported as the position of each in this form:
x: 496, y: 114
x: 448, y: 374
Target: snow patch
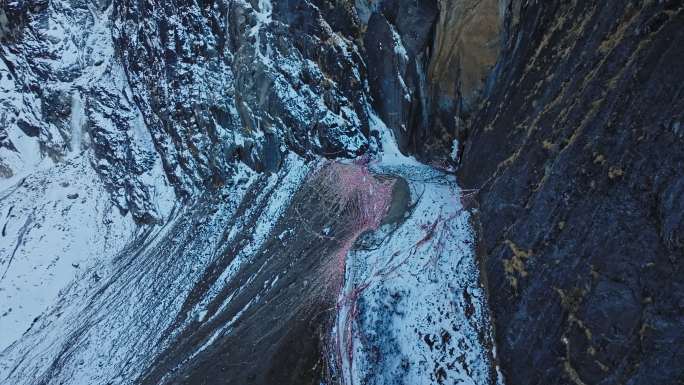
x: 412, y: 296
x: 454, y: 150
x: 55, y: 225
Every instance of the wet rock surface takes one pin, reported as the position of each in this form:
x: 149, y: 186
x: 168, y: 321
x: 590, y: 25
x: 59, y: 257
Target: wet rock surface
x: 578, y: 158
x: 465, y: 49
x: 427, y: 66
x: 396, y: 43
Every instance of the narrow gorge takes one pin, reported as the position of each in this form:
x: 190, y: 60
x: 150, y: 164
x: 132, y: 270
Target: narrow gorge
x: 338, y: 192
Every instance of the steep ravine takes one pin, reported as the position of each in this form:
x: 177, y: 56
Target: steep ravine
x: 288, y: 192
x: 412, y: 309
x: 324, y: 271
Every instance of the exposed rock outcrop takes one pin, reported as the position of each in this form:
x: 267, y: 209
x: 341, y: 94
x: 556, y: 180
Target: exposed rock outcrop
x: 397, y: 51
x: 194, y: 86
x: 224, y: 81
x: 65, y: 92
x: 577, y: 152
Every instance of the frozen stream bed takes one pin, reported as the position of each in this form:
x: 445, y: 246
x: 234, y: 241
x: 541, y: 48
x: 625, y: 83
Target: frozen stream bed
x: 412, y: 310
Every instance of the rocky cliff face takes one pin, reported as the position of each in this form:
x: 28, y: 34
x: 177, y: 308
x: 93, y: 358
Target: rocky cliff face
x: 465, y: 48
x: 225, y: 81
x: 427, y: 91
x: 577, y: 152
x: 65, y: 92
x: 203, y: 84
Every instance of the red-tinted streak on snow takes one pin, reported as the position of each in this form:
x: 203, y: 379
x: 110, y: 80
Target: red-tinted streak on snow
x: 365, y: 200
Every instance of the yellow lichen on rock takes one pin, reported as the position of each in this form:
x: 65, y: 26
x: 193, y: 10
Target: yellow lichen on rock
x: 615, y: 172
x: 516, y: 264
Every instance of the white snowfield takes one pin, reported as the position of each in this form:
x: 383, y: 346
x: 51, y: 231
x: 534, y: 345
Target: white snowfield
x: 56, y: 223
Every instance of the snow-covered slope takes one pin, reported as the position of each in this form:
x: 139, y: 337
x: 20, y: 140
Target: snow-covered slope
x: 57, y: 223
x: 413, y: 310
x: 201, y: 192
x: 411, y: 306
x: 75, y: 156
x: 110, y: 324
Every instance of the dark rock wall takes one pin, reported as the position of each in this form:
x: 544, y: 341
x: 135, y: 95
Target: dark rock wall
x: 427, y: 65
x: 578, y: 152
x: 397, y: 43
x: 465, y: 48
x: 209, y: 83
